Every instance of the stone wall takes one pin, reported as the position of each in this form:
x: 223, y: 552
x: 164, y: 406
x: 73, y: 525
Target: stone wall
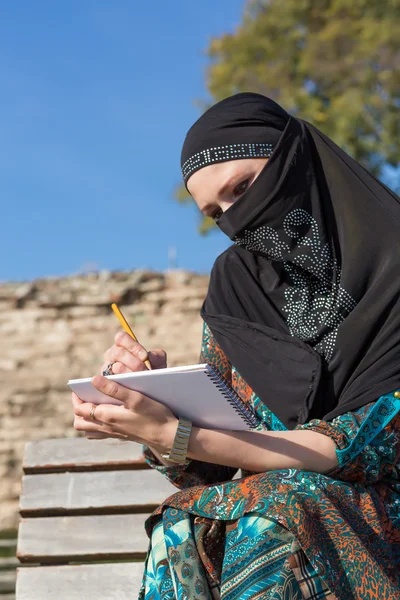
x: 53, y: 330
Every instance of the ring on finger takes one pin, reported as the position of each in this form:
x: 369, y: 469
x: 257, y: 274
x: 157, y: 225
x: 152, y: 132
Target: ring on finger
x: 91, y: 414
x: 108, y: 371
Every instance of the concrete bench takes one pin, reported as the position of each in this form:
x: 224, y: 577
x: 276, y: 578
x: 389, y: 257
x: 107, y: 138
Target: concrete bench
x: 83, y: 506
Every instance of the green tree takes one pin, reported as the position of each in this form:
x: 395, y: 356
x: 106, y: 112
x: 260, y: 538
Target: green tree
x: 335, y: 63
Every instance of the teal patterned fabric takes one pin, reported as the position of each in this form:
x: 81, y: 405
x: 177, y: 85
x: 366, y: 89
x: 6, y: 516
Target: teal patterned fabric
x: 258, y: 554
x: 175, y: 570
x: 381, y: 414
x: 284, y: 535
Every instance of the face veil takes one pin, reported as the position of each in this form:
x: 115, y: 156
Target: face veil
x: 305, y: 304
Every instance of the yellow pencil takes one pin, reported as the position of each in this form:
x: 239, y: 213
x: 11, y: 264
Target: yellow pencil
x: 125, y: 327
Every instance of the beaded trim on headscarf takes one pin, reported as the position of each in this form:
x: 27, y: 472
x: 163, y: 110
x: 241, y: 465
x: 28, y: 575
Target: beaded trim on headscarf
x: 224, y: 153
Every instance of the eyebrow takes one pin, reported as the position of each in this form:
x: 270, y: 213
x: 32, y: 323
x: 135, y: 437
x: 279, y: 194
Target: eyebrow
x: 228, y: 183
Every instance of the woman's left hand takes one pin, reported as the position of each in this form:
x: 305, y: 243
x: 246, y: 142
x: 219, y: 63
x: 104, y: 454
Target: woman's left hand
x: 140, y: 419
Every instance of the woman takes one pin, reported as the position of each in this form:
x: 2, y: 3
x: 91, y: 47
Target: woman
x: 302, y: 317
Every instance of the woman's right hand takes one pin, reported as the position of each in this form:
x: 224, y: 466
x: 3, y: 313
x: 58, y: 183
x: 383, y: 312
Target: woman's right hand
x: 128, y: 355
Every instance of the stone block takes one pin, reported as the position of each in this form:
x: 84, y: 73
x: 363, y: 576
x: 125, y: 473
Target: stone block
x: 56, y: 329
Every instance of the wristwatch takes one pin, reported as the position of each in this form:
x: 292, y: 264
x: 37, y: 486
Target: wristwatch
x: 180, y: 445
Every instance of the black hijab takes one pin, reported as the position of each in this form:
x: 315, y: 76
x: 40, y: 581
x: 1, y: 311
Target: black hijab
x: 306, y: 303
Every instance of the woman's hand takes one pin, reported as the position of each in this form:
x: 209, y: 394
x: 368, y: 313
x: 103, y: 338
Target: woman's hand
x: 140, y: 419
x: 128, y: 355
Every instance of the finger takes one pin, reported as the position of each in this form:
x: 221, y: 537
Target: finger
x: 76, y: 401
x: 109, y: 419
x: 158, y: 359
x: 96, y: 435
x: 124, y: 356
x: 106, y: 355
x: 119, y: 367
x: 112, y: 389
x: 100, y: 435
x: 81, y: 424
x: 102, y: 412
x: 93, y: 428
x: 124, y: 339
x: 103, y: 420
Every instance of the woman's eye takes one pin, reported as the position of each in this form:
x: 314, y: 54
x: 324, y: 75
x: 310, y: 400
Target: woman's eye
x: 217, y: 214
x: 241, y: 188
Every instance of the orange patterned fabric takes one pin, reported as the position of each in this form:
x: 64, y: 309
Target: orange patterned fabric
x: 346, y: 524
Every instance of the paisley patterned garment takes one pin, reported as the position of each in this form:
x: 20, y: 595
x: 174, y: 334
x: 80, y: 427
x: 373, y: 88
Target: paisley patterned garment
x: 289, y: 534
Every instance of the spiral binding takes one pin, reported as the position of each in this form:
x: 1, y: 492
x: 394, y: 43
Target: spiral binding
x: 232, y: 396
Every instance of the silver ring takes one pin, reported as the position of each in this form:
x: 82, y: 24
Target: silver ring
x: 108, y: 371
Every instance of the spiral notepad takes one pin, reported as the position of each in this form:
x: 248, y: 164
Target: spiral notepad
x: 195, y: 392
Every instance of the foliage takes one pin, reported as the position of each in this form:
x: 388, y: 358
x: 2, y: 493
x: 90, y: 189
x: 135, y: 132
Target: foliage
x: 335, y: 63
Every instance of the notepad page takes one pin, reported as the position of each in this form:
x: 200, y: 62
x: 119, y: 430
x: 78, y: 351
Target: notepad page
x: 187, y: 391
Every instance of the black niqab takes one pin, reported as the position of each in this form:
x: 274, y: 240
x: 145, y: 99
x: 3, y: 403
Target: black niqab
x: 306, y: 304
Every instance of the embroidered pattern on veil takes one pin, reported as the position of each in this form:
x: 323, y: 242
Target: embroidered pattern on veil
x: 316, y: 303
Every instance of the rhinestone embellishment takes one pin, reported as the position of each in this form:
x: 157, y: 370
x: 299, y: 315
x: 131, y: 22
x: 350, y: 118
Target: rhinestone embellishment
x: 224, y: 153
x: 316, y: 303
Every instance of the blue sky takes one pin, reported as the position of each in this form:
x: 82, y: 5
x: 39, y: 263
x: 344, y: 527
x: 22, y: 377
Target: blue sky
x: 96, y: 97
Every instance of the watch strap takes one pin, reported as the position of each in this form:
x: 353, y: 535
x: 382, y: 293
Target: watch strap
x: 180, y: 445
